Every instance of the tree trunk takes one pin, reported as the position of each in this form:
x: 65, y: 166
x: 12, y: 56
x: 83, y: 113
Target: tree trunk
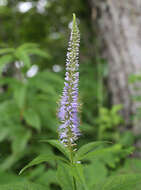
x: 119, y: 23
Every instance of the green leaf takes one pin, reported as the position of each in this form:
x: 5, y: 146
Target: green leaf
x: 77, y: 171
x: 38, y: 52
x: 32, y: 118
x: 47, y: 178
x: 9, y: 161
x: 20, y: 94
x: 121, y: 182
x: 4, y: 60
x: 7, y: 50
x: 23, y: 56
x: 127, y: 138
x: 99, y: 152
x: 87, y: 148
x: 95, y: 172
x: 64, y: 177
x: 11, y: 176
x: 43, y: 158
x: 20, y: 141
x: 3, y: 134
x: 28, y: 46
x: 59, y: 146
x: 132, y: 165
x: 23, y: 186
x: 116, y: 108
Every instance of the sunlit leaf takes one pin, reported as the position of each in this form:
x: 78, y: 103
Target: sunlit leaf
x: 7, y: 50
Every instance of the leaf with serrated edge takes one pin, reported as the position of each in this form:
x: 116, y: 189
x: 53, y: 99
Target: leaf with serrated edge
x: 43, y: 158
x: 98, y: 152
x: 88, y: 148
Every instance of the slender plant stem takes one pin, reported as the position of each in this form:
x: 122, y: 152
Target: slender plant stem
x: 74, y: 184
x: 71, y: 158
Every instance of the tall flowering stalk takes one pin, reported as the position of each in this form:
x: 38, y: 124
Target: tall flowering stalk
x: 69, y: 104
x: 69, y: 128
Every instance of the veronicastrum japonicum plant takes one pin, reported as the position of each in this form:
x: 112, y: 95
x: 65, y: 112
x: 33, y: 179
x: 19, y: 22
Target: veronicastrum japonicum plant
x: 70, y: 167
x: 69, y: 104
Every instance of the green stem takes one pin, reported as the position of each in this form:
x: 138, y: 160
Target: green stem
x: 74, y: 184
x: 73, y: 178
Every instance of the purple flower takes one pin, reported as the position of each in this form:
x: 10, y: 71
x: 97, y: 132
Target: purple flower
x: 69, y: 104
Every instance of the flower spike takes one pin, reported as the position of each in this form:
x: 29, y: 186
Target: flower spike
x: 69, y: 104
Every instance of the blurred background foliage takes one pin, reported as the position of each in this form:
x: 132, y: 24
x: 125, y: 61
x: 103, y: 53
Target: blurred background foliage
x: 33, y: 45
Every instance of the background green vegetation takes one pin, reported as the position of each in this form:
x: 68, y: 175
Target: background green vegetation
x: 33, y: 48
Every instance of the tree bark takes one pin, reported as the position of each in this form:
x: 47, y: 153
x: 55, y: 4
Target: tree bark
x: 119, y: 24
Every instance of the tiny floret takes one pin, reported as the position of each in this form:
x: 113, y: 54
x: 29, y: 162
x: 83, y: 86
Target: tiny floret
x: 69, y: 103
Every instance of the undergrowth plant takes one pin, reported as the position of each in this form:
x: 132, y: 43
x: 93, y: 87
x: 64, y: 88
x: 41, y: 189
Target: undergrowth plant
x: 23, y: 111
x: 72, y: 160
